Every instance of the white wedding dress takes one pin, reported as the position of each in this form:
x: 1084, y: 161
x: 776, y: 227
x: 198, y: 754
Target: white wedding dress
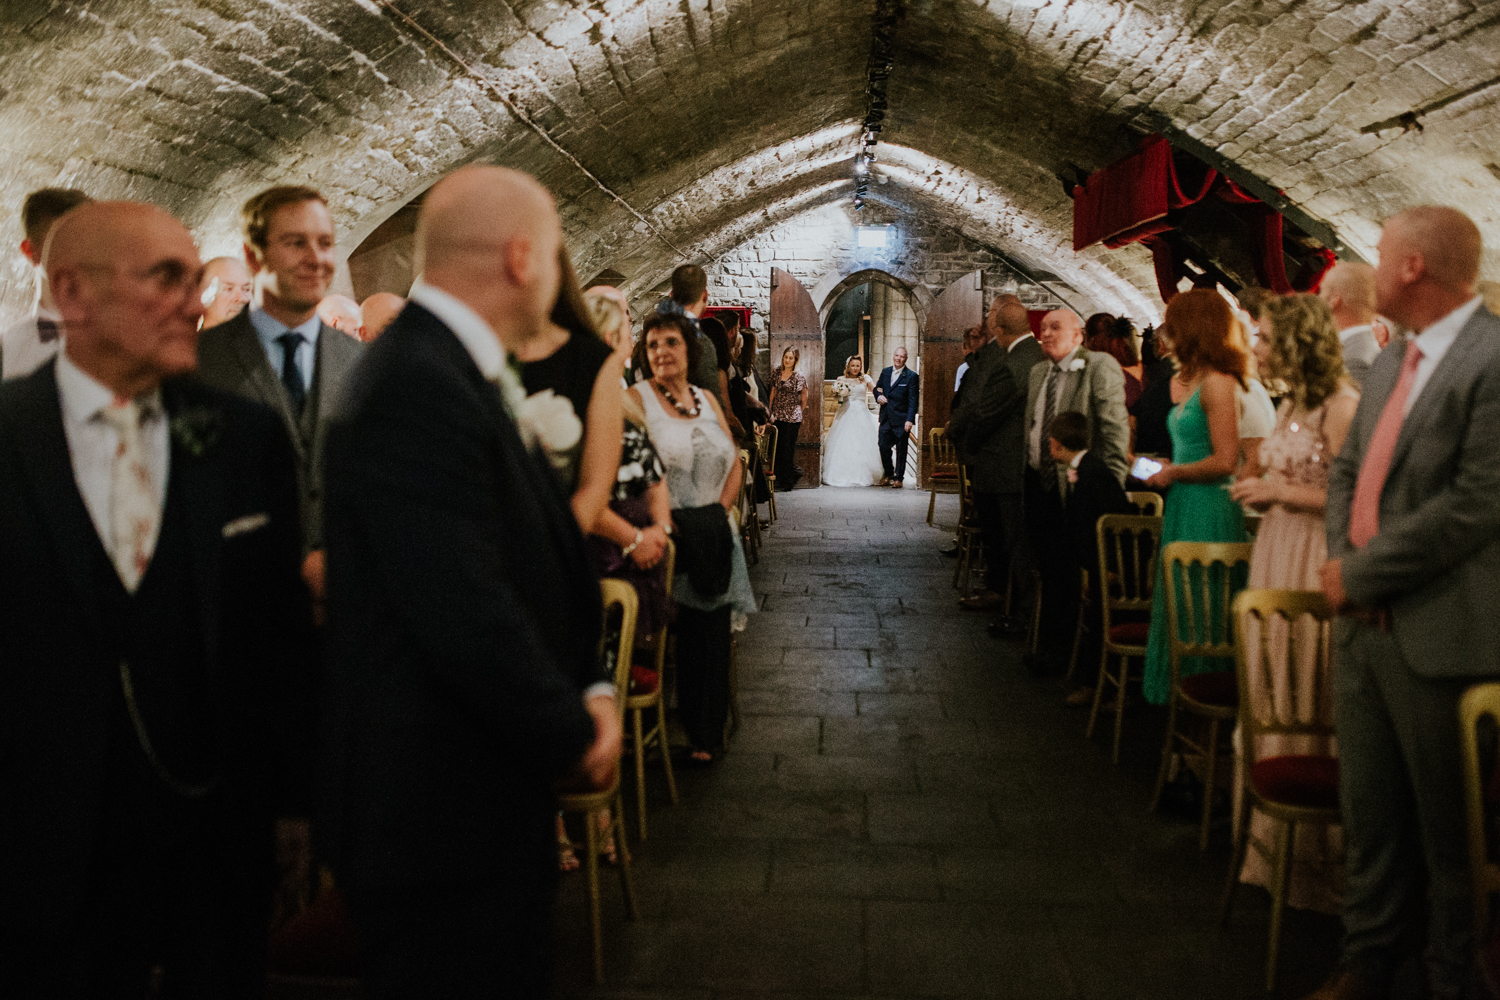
x: 851, y: 451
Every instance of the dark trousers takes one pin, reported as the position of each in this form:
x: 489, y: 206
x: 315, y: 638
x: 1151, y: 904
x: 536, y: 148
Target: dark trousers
x: 1401, y: 794
x: 703, y: 675
x: 1052, y: 550
x: 785, y: 462
x: 490, y: 936
x: 1002, y: 525
x: 893, y: 437
x: 184, y: 884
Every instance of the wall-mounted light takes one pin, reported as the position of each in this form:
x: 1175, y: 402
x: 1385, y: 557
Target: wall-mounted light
x: 861, y: 166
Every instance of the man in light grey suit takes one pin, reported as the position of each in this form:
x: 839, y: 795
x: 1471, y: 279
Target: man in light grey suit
x: 1413, y: 524
x: 988, y: 429
x: 1070, y: 377
x: 1349, y: 290
x: 277, y: 352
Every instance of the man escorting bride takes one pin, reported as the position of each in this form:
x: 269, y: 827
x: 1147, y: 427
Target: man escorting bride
x: 851, y: 451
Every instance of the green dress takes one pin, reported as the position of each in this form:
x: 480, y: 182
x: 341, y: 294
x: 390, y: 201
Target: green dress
x: 1195, y: 512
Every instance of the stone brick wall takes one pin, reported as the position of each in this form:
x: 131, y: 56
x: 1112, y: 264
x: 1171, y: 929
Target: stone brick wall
x: 703, y: 125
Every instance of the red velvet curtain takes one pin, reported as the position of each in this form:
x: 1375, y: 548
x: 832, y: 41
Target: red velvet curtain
x: 1131, y: 201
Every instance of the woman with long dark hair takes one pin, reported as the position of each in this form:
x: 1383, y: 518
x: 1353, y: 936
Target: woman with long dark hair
x: 1204, y: 425
x: 788, y: 397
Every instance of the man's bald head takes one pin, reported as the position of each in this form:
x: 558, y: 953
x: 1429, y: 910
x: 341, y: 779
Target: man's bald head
x: 377, y: 311
x: 124, y: 277
x: 1429, y: 260
x: 227, y: 287
x: 1062, y: 331
x: 491, y: 237
x: 1009, y: 320
x: 1349, y: 290
x: 342, y: 313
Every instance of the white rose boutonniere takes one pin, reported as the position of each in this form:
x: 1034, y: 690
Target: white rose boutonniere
x: 1076, y: 365
x: 548, y: 419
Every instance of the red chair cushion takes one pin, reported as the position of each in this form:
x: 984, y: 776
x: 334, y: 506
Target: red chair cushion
x: 1308, y: 781
x: 642, y: 680
x: 319, y: 941
x: 1218, y: 687
x: 945, y: 475
x: 1130, y: 633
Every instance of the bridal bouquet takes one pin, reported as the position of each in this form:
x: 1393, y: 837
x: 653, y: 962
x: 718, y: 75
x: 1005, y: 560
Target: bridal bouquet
x: 841, y: 391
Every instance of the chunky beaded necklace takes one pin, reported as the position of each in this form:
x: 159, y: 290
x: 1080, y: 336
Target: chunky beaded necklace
x: 675, y: 404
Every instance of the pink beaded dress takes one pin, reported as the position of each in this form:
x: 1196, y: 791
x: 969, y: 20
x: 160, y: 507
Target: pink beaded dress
x: 1290, y: 550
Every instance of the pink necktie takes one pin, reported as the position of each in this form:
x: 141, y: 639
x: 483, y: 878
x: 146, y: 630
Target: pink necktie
x: 1364, y: 515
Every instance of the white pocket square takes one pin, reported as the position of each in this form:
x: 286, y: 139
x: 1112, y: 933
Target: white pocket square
x: 246, y: 524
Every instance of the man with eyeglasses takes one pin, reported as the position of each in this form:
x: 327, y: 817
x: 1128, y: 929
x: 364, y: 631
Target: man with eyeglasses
x: 278, y: 352
x: 149, y: 534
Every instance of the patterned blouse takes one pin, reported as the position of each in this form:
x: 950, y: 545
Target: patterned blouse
x: 640, y: 468
x: 788, y: 406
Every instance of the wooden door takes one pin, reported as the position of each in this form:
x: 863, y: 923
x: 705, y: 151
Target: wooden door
x: 793, y: 322
x: 959, y: 307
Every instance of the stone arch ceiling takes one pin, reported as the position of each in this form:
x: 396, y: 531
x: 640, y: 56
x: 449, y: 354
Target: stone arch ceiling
x: 716, y: 119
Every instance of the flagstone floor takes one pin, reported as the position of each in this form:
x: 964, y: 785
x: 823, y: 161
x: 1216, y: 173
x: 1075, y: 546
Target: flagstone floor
x: 904, y: 812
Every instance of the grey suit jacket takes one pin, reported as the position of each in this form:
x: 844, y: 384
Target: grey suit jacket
x: 1435, y: 562
x: 989, y: 424
x: 230, y: 357
x: 1098, y: 392
x: 1360, y: 351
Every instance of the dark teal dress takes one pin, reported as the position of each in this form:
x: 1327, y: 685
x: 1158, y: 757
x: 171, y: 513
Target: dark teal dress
x: 1195, y: 512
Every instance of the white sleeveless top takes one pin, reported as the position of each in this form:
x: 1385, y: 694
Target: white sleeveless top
x: 696, y: 453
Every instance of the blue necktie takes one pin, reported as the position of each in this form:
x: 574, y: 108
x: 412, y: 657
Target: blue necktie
x: 291, y: 375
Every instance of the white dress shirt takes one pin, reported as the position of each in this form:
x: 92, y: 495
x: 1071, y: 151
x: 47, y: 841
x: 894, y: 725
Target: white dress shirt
x: 958, y: 379
x: 92, y: 442
x: 1013, y: 343
x: 1365, y: 355
x: 1434, y: 342
x: 21, y: 348
x: 1256, y: 412
x: 483, y: 345
x: 1038, y: 441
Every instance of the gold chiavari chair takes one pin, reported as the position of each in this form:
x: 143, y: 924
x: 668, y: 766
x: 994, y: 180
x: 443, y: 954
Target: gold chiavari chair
x: 1294, y: 789
x: 749, y: 518
x: 1479, y: 701
x: 944, y: 477
x: 639, y: 703
x: 1129, y: 546
x: 970, y: 540
x: 1199, y: 601
x: 768, y: 458
x: 618, y: 596
x: 1147, y: 503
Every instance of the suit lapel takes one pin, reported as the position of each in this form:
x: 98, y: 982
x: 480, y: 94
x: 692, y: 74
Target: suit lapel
x: 334, y: 359
x: 252, y: 357
x: 1426, y: 407
x: 43, y: 446
x: 197, y: 483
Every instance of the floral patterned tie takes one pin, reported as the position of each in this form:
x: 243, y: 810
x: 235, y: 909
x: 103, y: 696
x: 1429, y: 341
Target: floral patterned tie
x: 135, y: 515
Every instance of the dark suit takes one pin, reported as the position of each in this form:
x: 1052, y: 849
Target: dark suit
x: 989, y: 429
x: 230, y: 357
x: 105, y: 868
x: 1434, y: 566
x: 463, y: 626
x: 899, y: 408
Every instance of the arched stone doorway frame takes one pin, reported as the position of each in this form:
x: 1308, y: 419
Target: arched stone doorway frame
x: 833, y: 284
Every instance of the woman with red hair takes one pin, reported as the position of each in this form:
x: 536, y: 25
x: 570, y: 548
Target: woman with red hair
x: 1204, y: 425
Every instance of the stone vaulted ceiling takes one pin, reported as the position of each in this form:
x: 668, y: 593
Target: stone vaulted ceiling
x: 673, y: 129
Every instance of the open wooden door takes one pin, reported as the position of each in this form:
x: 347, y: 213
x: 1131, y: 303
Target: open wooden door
x: 959, y: 307
x: 793, y: 322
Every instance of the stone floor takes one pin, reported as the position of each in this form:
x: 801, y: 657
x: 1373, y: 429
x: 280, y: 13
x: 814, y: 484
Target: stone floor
x: 905, y: 812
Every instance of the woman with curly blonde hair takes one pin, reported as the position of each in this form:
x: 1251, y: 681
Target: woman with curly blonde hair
x: 1298, y: 345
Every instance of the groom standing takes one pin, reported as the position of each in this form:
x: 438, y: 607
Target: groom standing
x: 896, y: 391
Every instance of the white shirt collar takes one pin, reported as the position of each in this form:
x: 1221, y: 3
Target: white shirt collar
x: 477, y: 336
x: 1077, y: 458
x: 1067, y: 359
x: 268, y: 327
x: 896, y: 371
x: 82, y: 395
x: 1013, y: 343
x: 1439, y: 336
x: 1349, y: 332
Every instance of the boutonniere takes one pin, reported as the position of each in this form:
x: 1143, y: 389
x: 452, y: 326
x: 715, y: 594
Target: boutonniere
x: 196, y: 429
x: 1072, y: 476
x: 1076, y: 365
x: 548, y: 419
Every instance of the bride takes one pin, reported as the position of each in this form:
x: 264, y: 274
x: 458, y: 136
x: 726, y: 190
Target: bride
x: 851, y: 451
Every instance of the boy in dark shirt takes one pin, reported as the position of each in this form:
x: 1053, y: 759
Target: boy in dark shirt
x: 1091, y: 492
